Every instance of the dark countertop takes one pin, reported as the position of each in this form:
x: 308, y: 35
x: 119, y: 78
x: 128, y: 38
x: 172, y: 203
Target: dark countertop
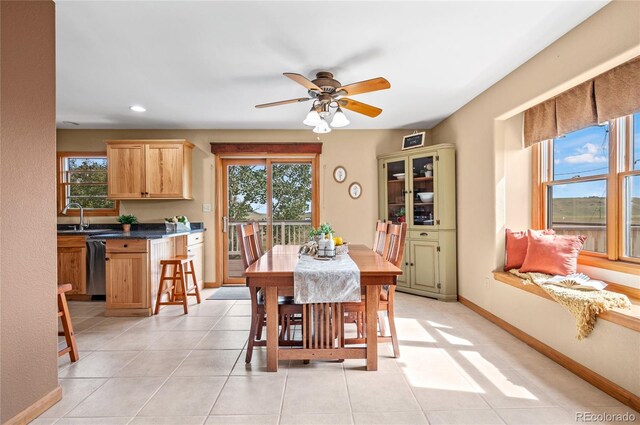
x: 140, y: 231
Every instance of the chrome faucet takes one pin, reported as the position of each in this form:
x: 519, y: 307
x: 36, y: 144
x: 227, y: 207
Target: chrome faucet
x: 82, y: 225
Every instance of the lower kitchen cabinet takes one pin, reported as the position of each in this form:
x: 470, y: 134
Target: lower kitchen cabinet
x: 72, y: 263
x: 126, y: 280
x: 197, y: 252
x: 195, y: 249
x: 133, y: 270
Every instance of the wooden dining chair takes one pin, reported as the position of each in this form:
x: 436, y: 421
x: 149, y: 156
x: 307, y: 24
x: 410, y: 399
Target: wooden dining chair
x: 395, y: 242
x: 257, y: 237
x: 380, y: 241
x: 249, y: 244
x: 396, y: 235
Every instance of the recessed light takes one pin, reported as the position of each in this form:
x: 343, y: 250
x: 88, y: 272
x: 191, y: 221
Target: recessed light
x: 137, y: 108
x: 70, y: 122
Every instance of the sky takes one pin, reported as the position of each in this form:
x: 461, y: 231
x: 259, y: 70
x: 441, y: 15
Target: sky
x: 586, y: 153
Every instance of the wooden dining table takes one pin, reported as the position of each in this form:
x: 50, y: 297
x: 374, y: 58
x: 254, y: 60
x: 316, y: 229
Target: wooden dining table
x: 274, y: 271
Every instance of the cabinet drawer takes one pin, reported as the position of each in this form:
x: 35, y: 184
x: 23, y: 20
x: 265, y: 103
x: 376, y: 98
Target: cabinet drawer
x: 128, y: 245
x: 72, y: 241
x: 195, y: 238
x: 426, y: 235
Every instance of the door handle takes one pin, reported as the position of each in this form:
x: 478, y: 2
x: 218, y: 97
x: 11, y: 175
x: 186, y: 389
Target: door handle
x: 225, y: 224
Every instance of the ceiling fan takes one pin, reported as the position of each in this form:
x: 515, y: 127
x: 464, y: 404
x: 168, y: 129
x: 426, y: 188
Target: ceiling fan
x: 328, y: 93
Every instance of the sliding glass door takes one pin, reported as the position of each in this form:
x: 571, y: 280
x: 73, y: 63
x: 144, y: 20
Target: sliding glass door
x: 278, y: 193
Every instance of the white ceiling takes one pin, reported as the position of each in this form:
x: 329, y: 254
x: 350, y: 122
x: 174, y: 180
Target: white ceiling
x: 206, y: 64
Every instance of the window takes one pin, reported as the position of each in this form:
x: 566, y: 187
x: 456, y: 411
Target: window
x: 588, y: 183
x: 82, y: 179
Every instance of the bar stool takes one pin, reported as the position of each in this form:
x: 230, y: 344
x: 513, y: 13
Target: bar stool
x: 176, y: 286
x: 63, y: 314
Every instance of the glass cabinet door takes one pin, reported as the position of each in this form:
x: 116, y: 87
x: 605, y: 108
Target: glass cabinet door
x: 422, y: 191
x: 396, y: 190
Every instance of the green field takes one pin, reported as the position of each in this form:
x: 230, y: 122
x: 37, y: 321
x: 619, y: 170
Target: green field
x: 591, y: 210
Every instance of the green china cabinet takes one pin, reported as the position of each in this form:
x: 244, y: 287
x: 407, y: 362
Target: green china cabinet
x: 418, y: 186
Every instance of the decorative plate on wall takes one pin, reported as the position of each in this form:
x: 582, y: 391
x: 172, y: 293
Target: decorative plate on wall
x: 340, y: 174
x: 355, y: 190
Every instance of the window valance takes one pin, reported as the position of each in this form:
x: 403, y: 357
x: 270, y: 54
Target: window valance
x: 613, y: 94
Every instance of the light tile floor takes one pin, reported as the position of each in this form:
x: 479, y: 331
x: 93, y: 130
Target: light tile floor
x: 455, y: 368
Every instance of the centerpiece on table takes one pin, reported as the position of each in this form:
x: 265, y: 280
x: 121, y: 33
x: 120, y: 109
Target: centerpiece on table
x: 177, y: 223
x: 324, y: 243
x: 127, y: 220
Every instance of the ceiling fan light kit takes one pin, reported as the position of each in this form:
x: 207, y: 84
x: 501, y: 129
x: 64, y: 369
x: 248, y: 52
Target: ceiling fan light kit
x: 322, y: 128
x: 339, y: 119
x: 313, y: 118
x: 327, y: 93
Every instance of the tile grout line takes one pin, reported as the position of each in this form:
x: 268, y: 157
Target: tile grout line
x: 171, y: 375
x: 404, y: 378
x: 225, y: 382
x: 344, y: 376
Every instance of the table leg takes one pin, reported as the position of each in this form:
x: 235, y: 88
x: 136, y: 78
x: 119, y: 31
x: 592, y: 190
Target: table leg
x: 373, y: 296
x: 271, y: 301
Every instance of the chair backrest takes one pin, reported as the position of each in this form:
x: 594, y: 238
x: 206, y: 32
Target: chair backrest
x: 258, y: 238
x: 381, y: 237
x: 247, y: 244
x: 396, y: 235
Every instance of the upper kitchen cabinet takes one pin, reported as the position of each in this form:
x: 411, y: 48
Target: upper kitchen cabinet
x: 149, y: 169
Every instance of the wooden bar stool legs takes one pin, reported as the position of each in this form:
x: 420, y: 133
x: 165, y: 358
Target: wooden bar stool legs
x: 63, y: 314
x: 176, y: 285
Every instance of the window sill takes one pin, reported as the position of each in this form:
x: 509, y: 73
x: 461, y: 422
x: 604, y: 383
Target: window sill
x: 628, y: 318
x: 604, y: 263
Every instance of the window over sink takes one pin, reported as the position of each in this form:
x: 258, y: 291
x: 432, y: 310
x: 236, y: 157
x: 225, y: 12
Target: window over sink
x: 82, y: 179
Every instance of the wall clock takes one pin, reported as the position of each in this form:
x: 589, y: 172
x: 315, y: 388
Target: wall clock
x: 340, y: 174
x: 355, y: 190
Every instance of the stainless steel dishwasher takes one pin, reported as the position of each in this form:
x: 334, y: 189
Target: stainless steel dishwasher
x: 96, y: 266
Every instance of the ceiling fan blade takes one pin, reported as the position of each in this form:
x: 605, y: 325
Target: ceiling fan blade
x: 302, y: 80
x: 359, y: 107
x: 366, y: 86
x: 283, y: 102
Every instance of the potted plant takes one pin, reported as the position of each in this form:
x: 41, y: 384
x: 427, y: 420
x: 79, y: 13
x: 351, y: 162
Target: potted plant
x: 402, y: 215
x: 427, y: 170
x: 324, y: 229
x: 127, y: 220
x: 177, y: 223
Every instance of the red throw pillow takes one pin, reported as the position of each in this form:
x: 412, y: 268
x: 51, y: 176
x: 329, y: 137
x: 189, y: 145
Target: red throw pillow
x: 516, y: 247
x: 552, y: 254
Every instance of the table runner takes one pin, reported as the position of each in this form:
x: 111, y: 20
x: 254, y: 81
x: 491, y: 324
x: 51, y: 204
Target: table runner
x: 334, y: 281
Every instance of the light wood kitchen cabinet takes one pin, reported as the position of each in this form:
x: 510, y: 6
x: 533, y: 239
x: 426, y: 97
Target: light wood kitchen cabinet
x: 149, y: 169
x: 72, y: 263
x: 196, y: 250
x: 126, y: 173
x: 126, y: 278
x: 417, y: 186
x: 133, y: 270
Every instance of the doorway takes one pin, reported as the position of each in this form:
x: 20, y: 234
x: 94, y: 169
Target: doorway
x: 279, y: 193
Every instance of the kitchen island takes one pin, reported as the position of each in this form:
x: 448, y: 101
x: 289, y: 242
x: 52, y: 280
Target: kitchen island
x: 132, y: 263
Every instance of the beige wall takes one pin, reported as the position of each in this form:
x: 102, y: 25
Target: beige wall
x: 28, y: 365
x: 356, y: 150
x: 493, y: 174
